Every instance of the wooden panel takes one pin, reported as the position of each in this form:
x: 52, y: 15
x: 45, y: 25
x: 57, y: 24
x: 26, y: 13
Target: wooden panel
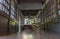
x: 3, y: 25
x: 11, y: 27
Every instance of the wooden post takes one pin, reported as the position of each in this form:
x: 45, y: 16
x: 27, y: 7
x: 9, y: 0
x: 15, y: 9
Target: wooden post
x: 9, y: 17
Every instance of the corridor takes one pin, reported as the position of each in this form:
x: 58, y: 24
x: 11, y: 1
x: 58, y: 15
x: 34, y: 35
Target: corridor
x: 29, y: 19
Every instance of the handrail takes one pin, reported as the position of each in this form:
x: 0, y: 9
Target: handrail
x: 35, y: 27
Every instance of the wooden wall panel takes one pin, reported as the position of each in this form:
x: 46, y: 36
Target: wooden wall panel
x: 3, y: 25
x: 11, y: 27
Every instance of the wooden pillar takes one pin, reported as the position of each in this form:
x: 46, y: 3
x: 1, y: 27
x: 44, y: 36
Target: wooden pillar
x: 9, y: 17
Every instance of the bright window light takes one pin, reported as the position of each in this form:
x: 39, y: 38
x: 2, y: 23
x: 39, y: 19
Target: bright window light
x: 26, y: 21
x: 1, y: 1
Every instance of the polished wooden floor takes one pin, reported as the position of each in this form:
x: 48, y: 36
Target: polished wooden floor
x: 32, y: 35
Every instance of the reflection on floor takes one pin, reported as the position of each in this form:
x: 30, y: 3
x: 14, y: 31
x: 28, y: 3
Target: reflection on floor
x: 33, y: 35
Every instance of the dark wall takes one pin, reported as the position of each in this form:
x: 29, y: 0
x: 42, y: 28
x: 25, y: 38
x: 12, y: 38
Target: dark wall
x: 4, y: 27
x: 13, y: 28
x: 54, y: 27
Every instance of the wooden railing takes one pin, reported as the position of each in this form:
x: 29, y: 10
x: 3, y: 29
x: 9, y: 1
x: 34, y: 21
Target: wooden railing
x: 36, y: 26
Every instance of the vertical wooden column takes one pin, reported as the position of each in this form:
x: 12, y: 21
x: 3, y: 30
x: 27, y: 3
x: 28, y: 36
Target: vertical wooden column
x: 16, y: 14
x: 43, y: 20
x: 57, y: 10
x: 16, y: 8
x: 17, y: 19
x: 9, y: 17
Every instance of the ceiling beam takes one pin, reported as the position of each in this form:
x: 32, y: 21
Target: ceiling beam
x: 31, y: 1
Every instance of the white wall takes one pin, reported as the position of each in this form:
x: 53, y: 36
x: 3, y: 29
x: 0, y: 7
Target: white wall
x: 26, y: 6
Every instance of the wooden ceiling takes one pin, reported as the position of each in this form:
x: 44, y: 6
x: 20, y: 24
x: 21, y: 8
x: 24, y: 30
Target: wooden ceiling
x: 32, y: 1
x: 29, y: 12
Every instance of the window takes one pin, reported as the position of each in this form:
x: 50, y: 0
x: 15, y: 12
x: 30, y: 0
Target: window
x: 12, y: 12
x: 26, y: 21
x: 6, y: 11
x: 12, y: 8
x: 12, y: 16
x: 1, y: 7
x: 1, y: 1
x: 6, y: 4
x: 59, y: 12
